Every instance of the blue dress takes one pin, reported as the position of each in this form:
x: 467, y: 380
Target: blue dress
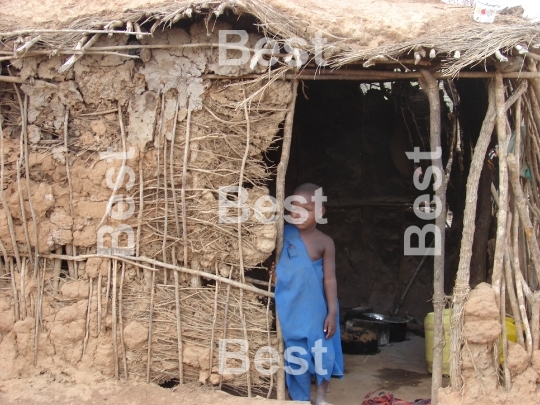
x: 302, y: 310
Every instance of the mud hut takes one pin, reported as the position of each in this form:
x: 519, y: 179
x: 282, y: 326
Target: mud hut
x: 122, y: 122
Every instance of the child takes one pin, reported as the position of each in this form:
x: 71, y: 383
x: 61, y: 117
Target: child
x: 306, y: 301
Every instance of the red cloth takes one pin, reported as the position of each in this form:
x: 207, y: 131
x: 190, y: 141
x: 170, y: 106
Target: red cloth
x: 389, y: 399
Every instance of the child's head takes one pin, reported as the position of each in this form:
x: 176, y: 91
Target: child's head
x: 307, y: 205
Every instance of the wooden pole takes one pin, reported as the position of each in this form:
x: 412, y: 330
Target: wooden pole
x: 461, y: 287
x: 280, y: 196
x: 521, y: 204
x: 431, y: 87
x: 378, y: 75
x: 502, y: 137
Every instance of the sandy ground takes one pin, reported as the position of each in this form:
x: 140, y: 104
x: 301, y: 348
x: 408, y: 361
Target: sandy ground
x: 398, y: 368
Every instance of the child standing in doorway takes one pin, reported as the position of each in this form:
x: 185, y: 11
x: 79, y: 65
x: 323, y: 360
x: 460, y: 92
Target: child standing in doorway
x: 306, y: 299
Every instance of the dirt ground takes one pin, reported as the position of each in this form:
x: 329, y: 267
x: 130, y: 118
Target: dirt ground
x: 398, y: 368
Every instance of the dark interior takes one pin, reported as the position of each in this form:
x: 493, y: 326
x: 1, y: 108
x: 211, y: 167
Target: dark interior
x: 350, y: 137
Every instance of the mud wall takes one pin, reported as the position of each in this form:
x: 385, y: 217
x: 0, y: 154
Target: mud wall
x: 176, y: 139
x: 480, y: 361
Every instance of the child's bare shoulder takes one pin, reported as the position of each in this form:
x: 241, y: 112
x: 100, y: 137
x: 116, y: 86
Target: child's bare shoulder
x: 325, y: 239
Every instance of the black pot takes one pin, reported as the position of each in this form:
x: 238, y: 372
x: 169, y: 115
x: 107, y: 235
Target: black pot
x: 356, y: 313
x: 381, y: 329
x: 359, y: 340
x: 398, y: 326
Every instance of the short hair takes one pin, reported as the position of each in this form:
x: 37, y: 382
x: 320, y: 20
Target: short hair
x: 307, y: 188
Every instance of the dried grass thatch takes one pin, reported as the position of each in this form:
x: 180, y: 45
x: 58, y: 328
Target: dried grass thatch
x: 355, y: 31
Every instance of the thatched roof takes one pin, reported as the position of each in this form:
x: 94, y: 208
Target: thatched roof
x: 357, y: 29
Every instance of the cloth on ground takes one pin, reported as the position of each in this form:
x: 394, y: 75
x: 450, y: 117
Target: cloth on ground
x: 389, y: 399
x: 302, y: 310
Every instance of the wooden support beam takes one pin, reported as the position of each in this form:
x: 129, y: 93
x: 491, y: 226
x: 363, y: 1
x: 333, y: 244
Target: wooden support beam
x: 431, y: 87
x: 376, y: 75
x: 280, y: 196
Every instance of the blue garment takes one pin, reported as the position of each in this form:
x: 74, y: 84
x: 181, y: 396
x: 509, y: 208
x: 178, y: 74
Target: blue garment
x: 302, y: 310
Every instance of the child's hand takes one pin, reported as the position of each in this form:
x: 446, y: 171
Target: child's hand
x: 330, y: 326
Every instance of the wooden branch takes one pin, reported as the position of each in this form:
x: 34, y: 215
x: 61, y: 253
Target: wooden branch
x: 240, y: 183
x: 99, y: 303
x: 14, y: 288
x: 195, y: 281
x: 9, y: 217
x: 431, y: 87
x: 88, y: 311
x: 166, y: 207
x: 136, y: 261
x: 521, y: 299
x: 171, y: 160
x: 12, y: 79
x: 108, y: 289
x: 461, y: 287
x: 64, y: 31
x: 150, y: 319
x: 502, y: 315
x: 376, y: 75
x: 225, y: 313
x: 240, y: 250
x: 114, y: 318
x: 510, y: 285
x: 39, y: 310
x: 521, y: 204
x: 70, y: 248
x: 27, y: 169
x: 23, y: 289
x: 179, y: 331
x: 74, y: 58
x: 280, y: 197
x: 503, y: 138
x: 121, y: 321
x: 214, y: 321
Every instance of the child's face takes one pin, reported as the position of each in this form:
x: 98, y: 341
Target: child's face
x: 310, y: 220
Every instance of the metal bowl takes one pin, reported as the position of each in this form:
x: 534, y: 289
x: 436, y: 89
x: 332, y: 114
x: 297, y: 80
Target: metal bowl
x: 384, y: 318
x: 398, y: 326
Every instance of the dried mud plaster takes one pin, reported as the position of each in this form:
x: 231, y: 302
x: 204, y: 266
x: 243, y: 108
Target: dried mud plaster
x: 479, y: 371
x: 155, y: 95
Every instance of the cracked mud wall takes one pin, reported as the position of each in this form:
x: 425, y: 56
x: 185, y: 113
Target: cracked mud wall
x: 159, y: 99
x: 482, y: 383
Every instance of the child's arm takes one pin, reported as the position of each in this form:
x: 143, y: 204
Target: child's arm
x: 330, y: 287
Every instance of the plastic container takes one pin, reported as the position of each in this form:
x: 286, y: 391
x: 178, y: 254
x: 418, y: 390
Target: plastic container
x: 429, y: 334
x: 511, y: 336
x: 485, y: 11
